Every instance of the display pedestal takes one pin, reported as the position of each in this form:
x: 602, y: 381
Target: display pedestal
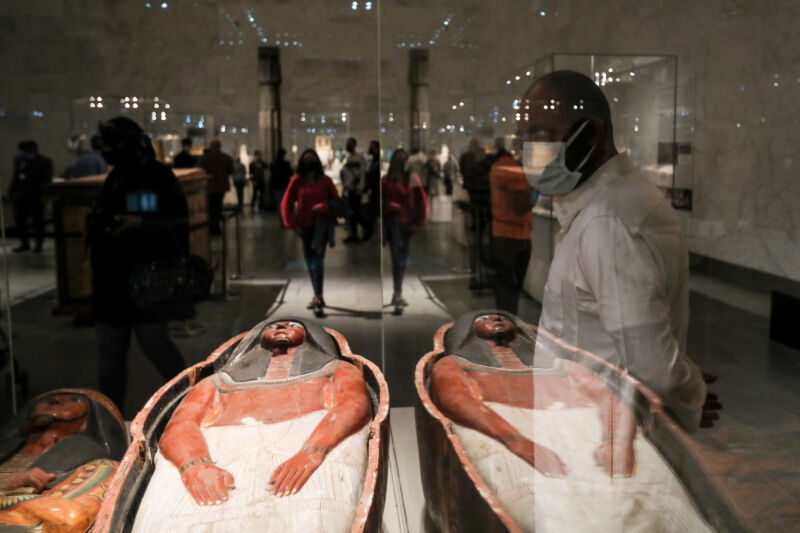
x: 72, y: 201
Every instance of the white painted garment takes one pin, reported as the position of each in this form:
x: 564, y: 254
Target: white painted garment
x: 251, y: 453
x: 587, y: 499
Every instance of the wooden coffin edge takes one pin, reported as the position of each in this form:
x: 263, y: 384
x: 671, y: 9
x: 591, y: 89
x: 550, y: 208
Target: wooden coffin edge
x: 492, y: 514
x: 677, y: 448
x: 370, y: 509
x: 369, y: 513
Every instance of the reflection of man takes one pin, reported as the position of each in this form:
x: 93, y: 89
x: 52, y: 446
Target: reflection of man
x: 495, y: 366
x: 283, y: 415
x: 557, y: 417
x: 617, y: 285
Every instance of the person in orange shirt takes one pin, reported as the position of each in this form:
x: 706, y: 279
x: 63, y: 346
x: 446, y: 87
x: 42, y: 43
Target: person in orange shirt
x: 512, y: 222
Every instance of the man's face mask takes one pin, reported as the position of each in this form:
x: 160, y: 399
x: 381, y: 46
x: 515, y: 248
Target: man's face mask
x: 545, y: 165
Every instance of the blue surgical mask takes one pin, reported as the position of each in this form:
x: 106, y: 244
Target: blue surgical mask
x: 545, y: 165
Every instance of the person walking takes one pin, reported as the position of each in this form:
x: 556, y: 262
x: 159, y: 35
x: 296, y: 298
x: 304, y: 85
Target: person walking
x: 304, y: 201
x: 405, y: 207
x: 239, y: 180
x: 219, y: 166
x: 28, y: 193
x: 512, y: 224
x: 352, y: 176
x: 184, y: 158
x: 140, y: 217
x: 372, y: 189
x: 259, y: 170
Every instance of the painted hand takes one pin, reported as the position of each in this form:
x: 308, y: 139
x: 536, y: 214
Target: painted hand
x: 35, y: 478
x: 617, y: 457
x: 543, y: 459
x: 208, y: 484
x: 293, y: 474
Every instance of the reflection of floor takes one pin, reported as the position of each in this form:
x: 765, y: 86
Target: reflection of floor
x: 30, y: 274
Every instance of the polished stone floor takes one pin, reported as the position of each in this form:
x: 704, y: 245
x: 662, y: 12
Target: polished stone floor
x: 758, y: 379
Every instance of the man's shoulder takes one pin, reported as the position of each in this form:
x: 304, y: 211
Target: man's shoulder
x: 631, y: 199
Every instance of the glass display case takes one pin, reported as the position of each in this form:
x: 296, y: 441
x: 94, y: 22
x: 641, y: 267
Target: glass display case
x: 404, y: 327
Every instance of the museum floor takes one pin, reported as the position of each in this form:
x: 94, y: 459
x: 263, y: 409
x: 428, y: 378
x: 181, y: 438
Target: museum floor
x: 728, y: 337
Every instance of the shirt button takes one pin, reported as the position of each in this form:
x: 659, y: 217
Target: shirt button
x: 563, y: 211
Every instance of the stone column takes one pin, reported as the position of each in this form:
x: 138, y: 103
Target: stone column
x: 420, y: 109
x: 269, y: 100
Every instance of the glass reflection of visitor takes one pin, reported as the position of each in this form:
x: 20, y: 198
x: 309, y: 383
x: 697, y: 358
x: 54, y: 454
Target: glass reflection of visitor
x: 556, y: 446
x: 139, y: 218
x: 618, y: 283
x: 405, y: 208
x: 282, y: 427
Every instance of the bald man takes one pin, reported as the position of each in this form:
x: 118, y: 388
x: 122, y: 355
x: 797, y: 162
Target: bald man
x: 618, y: 283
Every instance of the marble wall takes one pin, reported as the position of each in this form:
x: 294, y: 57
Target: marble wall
x: 738, y: 82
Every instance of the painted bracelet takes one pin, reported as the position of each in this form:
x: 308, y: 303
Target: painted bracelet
x: 506, y: 439
x: 194, y: 462
x: 324, y: 450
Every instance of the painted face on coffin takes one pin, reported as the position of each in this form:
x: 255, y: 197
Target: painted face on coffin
x: 65, y: 412
x: 61, y: 408
x: 283, y: 335
x: 494, y: 327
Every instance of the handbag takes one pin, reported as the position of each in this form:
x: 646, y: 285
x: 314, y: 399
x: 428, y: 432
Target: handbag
x: 170, y: 287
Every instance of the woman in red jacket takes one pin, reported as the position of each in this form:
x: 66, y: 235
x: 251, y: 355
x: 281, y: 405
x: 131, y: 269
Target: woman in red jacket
x: 304, y: 200
x: 405, y: 206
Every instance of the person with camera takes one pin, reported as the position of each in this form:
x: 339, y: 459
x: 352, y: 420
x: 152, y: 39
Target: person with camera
x: 139, y: 218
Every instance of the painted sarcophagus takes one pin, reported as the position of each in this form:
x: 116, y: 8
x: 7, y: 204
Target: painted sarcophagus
x: 280, y: 429
x: 518, y: 431
x: 57, y: 458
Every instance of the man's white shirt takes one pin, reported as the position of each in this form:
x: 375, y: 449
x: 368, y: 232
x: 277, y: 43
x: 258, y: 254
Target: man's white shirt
x: 618, y: 284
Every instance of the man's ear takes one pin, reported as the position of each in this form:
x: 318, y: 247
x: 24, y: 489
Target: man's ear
x: 597, y: 130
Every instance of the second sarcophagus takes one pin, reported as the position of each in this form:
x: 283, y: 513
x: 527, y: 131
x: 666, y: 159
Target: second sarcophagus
x: 518, y: 431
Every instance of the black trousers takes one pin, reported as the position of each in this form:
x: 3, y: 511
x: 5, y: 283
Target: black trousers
x: 399, y: 252
x: 240, y: 194
x: 113, y: 343
x: 33, y: 209
x: 510, y: 258
x: 315, y: 262
x: 258, y: 196
x: 354, y: 200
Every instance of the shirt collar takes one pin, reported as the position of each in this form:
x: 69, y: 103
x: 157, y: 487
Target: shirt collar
x: 568, y: 206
